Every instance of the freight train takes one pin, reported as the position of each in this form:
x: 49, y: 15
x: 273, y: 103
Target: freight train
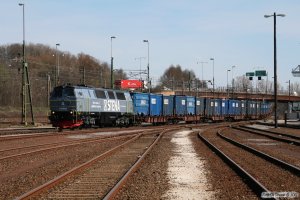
x: 73, y: 106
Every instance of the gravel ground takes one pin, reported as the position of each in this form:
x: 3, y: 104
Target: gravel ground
x: 22, y: 174
x: 150, y: 181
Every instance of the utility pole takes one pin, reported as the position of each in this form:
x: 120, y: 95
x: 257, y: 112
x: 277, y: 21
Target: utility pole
x: 275, y: 66
x: 25, y: 80
x: 111, y: 64
x: 148, y: 69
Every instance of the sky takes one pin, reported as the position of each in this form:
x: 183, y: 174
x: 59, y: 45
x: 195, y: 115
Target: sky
x: 184, y: 32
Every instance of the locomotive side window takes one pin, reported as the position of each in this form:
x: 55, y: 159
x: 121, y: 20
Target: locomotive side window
x: 100, y: 94
x: 120, y: 96
x: 110, y: 95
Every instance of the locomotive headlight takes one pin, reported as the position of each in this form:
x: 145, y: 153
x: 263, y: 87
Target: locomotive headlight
x: 53, y: 112
x: 71, y: 112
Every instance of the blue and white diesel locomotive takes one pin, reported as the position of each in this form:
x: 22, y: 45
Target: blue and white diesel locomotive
x: 82, y: 106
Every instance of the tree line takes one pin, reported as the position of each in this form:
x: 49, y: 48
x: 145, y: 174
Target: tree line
x: 84, y: 69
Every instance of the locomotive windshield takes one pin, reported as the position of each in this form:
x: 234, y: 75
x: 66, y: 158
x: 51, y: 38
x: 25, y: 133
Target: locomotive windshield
x: 69, y: 92
x: 57, y: 92
x: 60, y: 91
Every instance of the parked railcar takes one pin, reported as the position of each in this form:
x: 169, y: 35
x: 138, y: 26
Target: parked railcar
x: 78, y: 106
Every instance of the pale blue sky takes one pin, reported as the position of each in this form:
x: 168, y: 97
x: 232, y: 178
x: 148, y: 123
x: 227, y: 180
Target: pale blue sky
x: 234, y: 32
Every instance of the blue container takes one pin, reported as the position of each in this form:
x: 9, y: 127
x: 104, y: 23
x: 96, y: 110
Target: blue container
x: 156, y: 104
x: 217, y: 107
x: 238, y: 107
x: 180, y: 105
x: 251, y: 108
x: 243, y: 107
x: 231, y: 105
x: 209, y: 107
x: 213, y: 107
x: 259, y: 107
x: 191, y: 105
x: 140, y: 103
x: 168, y: 105
x: 224, y: 107
x: 200, y: 103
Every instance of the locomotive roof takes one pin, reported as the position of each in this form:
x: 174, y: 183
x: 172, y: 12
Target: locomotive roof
x: 88, y: 87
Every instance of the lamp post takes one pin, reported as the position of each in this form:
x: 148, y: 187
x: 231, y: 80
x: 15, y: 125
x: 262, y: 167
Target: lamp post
x: 275, y: 66
x: 228, y: 70
x: 148, y: 75
x: 232, y: 82
x: 57, y: 65
x: 213, y: 83
x: 289, y: 82
x: 111, y: 64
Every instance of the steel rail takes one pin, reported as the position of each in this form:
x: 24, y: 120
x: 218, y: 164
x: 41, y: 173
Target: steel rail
x: 21, y: 131
x: 292, y: 168
x: 56, y: 147
x: 75, y: 170
x: 272, y: 132
x: 64, y: 143
x: 113, y: 192
x: 254, y: 184
x: 268, y: 136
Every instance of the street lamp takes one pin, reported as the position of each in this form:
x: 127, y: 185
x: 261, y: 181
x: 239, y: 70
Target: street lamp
x: 148, y: 75
x: 228, y: 70
x: 275, y: 65
x: 111, y: 64
x: 289, y: 82
x: 57, y: 65
x: 232, y: 83
x: 213, y: 83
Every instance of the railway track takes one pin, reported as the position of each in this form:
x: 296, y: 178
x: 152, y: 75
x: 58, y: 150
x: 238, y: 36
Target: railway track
x: 97, y: 177
x: 35, y: 149
x: 289, y: 135
x: 282, y: 137
x: 20, y: 131
x: 260, y: 172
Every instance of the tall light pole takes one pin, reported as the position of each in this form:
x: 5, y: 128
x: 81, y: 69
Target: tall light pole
x: 232, y: 83
x: 289, y: 82
x: 25, y: 79
x: 275, y: 66
x: 148, y: 75
x: 213, y: 60
x: 228, y: 70
x: 57, y: 65
x: 111, y: 64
